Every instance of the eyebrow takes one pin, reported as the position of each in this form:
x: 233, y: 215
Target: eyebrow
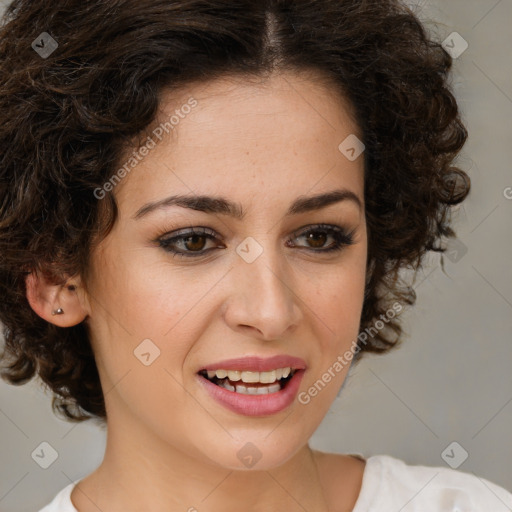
x: 223, y: 206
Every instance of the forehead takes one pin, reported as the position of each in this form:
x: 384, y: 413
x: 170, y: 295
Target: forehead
x: 237, y: 134
x: 243, y: 106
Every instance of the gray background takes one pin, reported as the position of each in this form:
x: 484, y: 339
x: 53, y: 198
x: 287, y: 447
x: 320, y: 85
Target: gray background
x: 450, y: 381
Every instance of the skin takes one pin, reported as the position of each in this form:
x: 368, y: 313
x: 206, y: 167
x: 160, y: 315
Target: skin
x: 169, y: 445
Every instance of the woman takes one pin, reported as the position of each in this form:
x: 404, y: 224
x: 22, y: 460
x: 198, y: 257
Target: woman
x: 203, y: 206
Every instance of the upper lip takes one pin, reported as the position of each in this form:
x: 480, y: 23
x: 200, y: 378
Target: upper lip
x: 258, y: 364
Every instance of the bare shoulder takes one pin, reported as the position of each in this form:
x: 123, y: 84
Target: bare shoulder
x: 341, y: 476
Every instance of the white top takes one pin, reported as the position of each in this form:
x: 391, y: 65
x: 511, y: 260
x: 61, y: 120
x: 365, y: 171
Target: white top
x: 390, y: 485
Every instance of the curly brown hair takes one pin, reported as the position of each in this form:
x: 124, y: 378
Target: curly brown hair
x: 66, y: 117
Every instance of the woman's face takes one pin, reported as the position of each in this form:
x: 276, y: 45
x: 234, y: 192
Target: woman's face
x: 252, y: 285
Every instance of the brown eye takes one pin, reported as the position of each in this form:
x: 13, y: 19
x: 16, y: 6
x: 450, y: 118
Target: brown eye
x: 188, y: 243
x: 317, y: 236
x: 317, y: 239
x: 195, y: 242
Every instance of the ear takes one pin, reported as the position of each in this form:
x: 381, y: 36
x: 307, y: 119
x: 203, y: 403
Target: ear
x: 60, y: 304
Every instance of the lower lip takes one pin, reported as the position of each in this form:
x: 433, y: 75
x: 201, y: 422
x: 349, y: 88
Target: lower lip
x: 255, y: 405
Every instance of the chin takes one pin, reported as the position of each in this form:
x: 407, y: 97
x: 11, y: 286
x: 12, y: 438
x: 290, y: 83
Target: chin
x: 254, y: 453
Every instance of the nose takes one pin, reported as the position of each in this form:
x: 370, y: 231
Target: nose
x: 263, y: 301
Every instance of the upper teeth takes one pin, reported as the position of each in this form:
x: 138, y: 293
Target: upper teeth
x: 262, y: 377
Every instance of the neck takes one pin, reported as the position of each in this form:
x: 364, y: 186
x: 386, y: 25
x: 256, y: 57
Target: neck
x: 141, y: 471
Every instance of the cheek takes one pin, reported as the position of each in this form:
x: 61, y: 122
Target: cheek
x: 142, y: 334
x: 340, y: 313
x: 338, y: 299
x: 337, y: 312
x: 142, y: 292
x: 156, y: 313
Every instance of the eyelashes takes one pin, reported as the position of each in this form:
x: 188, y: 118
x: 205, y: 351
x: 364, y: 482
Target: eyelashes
x: 188, y: 237
x: 191, y: 242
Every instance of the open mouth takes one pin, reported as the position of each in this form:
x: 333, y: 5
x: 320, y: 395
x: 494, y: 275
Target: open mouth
x: 250, y: 383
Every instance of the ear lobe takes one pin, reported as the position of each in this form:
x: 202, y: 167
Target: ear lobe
x: 56, y: 303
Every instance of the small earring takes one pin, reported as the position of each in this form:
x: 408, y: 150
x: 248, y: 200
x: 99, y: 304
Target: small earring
x: 58, y: 311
